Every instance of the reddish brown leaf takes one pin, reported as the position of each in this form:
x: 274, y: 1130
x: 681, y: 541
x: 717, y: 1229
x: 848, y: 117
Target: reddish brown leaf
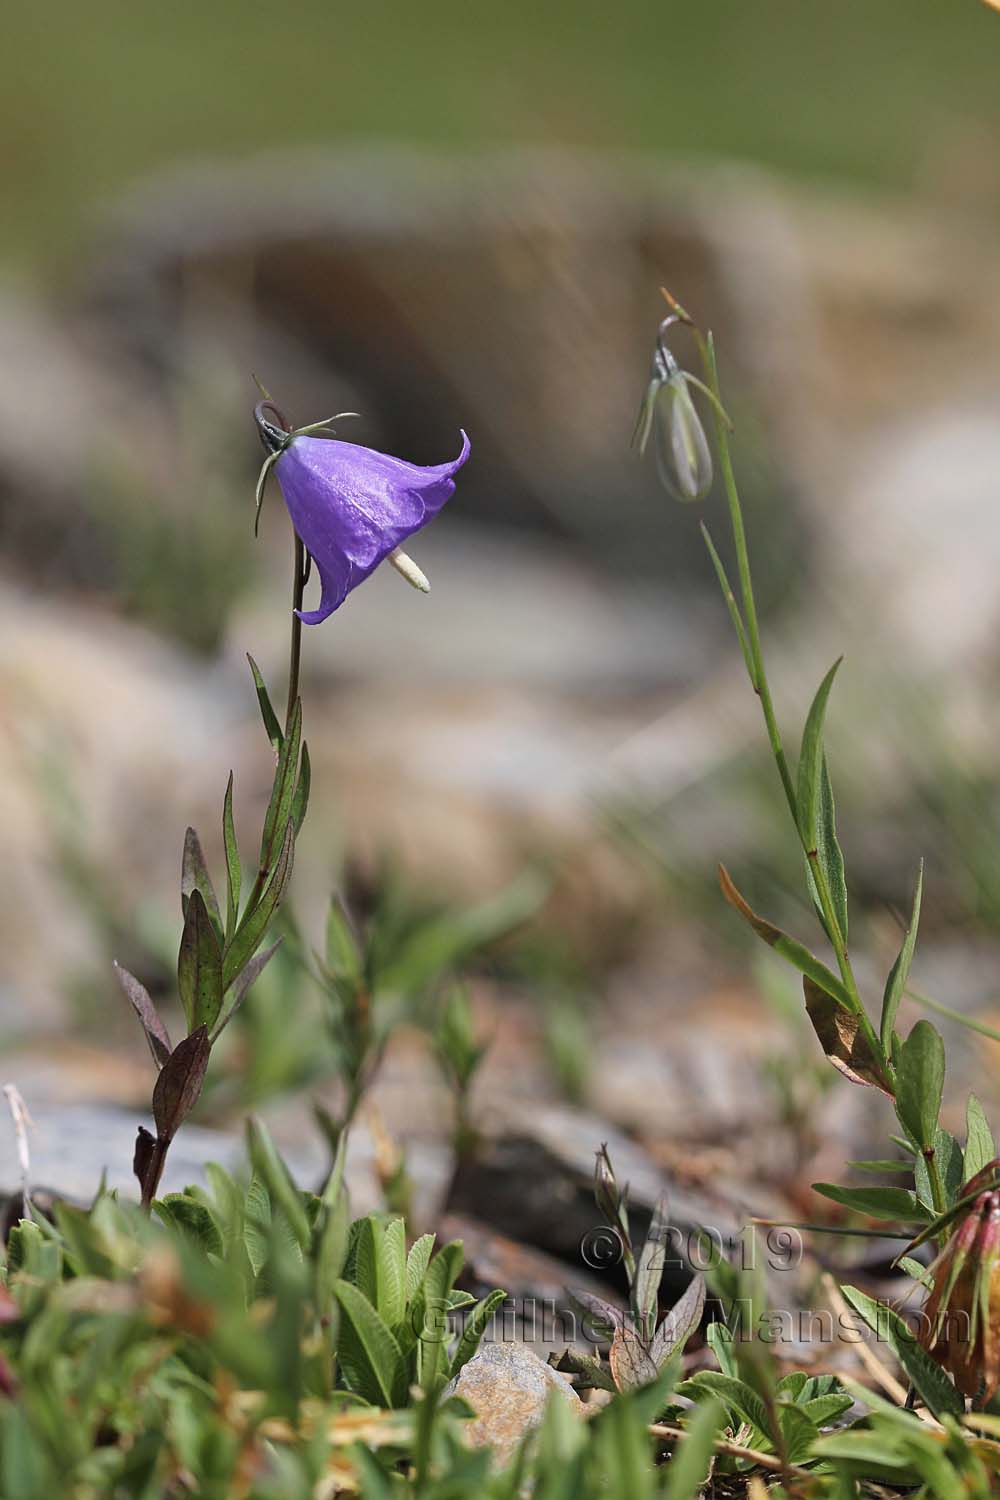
x: 143, y: 1154
x: 630, y: 1360
x: 142, y: 1004
x: 180, y: 1081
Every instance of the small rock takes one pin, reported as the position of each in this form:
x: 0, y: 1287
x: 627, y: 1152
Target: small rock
x: 507, y: 1386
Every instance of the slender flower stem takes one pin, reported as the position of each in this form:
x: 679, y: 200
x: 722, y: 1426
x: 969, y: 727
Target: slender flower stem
x: 295, y: 650
x: 759, y: 676
x: 753, y: 651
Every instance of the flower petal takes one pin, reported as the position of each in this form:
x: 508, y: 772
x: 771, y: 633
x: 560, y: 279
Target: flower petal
x: 351, y: 506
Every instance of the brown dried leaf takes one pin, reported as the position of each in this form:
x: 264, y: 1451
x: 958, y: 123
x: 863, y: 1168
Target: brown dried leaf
x: 842, y: 1040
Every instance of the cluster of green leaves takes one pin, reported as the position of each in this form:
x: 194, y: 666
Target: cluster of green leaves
x: 242, y: 1328
x: 641, y: 1345
x: 768, y: 1412
x: 908, y: 1071
x: 220, y: 955
x: 377, y: 972
x: 459, y: 1055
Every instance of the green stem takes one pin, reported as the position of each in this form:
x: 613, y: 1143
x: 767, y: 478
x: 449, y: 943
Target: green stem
x: 953, y: 1015
x: 937, y: 1186
x: 759, y: 676
x: 295, y: 649
x: 758, y: 679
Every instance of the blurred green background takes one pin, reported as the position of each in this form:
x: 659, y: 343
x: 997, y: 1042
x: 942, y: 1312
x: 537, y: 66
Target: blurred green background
x: 884, y: 92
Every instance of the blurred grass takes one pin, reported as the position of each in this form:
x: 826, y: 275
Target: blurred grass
x: 871, y: 90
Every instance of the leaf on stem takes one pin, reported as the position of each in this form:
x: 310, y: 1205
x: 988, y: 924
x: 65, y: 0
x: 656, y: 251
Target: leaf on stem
x: 255, y: 919
x: 629, y: 1357
x: 920, y: 1084
x: 195, y: 877
x: 895, y: 1204
x: 234, y: 873
x: 243, y: 983
x: 731, y: 604
x: 980, y: 1149
x: 300, y: 800
x: 142, y: 1004
x: 829, y: 858
x: 817, y: 818
x: 811, y: 760
x: 649, y: 1271
x: 199, y: 966
x: 267, y: 713
x: 279, y: 808
x: 900, y: 971
x: 680, y: 1322
x: 842, y: 1039
x: 931, y: 1382
x: 179, y: 1083
x: 793, y: 951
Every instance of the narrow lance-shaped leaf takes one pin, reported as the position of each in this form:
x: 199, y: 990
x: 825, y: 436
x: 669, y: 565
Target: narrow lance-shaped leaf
x: 809, y: 791
x: 142, y: 1004
x: 272, y: 1170
x: 790, y: 949
x: 195, y: 877
x: 980, y: 1149
x: 390, y: 1253
x: 829, y: 857
x: 441, y: 943
x: 267, y: 713
x: 731, y: 604
x: 889, y: 1203
x: 199, y: 966
x: 234, y: 872
x: 300, y: 800
x: 417, y: 1262
x: 254, y: 923
x: 180, y: 1082
x: 283, y: 791
x: 243, y: 983
x: 680, y: 1323
x: 900, y: 971
x: 343, y: 957
x: 649, y: 1271
x: 930, y: 1380
x: 920, y: 1084
x: 369, y: 1356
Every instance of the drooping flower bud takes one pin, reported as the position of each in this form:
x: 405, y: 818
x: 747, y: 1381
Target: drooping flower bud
x: 961, y: 1317
x: 683, y: 459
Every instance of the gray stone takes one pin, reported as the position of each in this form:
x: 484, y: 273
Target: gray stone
x: 508, y: 1387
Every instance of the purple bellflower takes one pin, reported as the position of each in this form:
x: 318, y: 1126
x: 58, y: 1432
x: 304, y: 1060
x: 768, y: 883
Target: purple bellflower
x: 351, y: 507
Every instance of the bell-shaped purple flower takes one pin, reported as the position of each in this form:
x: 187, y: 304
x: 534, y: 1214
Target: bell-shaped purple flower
x: 352, y: 507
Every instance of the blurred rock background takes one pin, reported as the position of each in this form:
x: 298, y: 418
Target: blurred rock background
x: 444, y: 218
